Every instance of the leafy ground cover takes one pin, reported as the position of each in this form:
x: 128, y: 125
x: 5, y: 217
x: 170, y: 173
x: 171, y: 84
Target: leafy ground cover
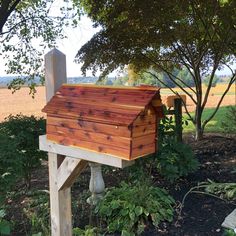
x: 200, y: 215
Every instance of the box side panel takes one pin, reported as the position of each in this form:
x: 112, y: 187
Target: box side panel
x: 143, y: 150
x: 114, y: 130
x: 143, y: 129
x: 144, y: 135
x: 97, y: 137
x: 96, y: 147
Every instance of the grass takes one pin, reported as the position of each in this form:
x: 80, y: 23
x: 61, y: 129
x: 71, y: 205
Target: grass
x: 214, y: 125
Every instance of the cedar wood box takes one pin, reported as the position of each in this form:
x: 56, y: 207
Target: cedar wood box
x: 120, y: 121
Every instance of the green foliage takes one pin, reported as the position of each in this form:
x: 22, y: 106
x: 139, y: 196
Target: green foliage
x: 223, y: 190
x: 9, y: 166
x: 37, y: 212
x: 27, y: 29
x: 214, y: 81
x: 5, y: 228
x: 229, y: 232
x: 174, y: 159
x: 229, y: 123
x: 128, y: 208
x: 164, y: 36
x: 88, y: 231
x: 19, y: 152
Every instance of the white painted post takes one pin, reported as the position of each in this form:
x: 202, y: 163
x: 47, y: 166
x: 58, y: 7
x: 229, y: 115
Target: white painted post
x: 96, y: 184
x: 60, y: 200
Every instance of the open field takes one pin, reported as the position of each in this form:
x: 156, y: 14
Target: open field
x: 22, y: 102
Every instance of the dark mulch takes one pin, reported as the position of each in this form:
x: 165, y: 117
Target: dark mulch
x: 201, y: 214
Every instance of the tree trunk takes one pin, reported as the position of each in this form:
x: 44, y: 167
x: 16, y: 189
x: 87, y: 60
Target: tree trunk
x: 198, y: 122
x: 199, y: 132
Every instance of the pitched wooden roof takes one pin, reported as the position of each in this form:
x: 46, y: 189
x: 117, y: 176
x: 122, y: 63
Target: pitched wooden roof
x: 106, y: 104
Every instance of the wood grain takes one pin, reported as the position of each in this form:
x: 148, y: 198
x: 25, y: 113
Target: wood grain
x: 109, y: 129
x: 113, y: 150
x: 141, y: 130
x: 93, y: 137
x: 143, y: 150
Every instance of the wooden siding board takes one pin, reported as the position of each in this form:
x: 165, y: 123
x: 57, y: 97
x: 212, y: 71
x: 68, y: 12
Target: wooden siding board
x: 112, y: 119
x: 119, y: 102
x: 141, y: 130
x: 143, y: 150
x: 89, y: 136
x: 126, y: 99
x: 90, y: 126
x: 116, y: 151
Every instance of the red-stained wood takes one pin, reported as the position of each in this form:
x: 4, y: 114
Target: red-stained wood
x: 122, y: 131
x: 130, y: 103
x: 113, y: 150
x: 143, y: 140
x: 91, y: 108
x: 89, y: 136
x: 106, y: 118
x: 144, y: 119
x: 103, y: 116
x: 141, y: 130
x: 116, y: 121
x: 143, y: 150
x: 120, y: 91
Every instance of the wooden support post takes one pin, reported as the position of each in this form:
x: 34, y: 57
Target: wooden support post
x: 178, y: 118
x: 60, y: 200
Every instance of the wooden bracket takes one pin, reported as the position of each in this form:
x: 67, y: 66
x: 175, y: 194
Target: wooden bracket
x: 68, y: 171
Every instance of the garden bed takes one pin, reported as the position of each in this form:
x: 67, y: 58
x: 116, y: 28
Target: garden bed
x: 201, y: 214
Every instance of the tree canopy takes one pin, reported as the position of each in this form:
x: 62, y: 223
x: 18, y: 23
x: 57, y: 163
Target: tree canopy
x: 162, y: 35
x: 27, y: 28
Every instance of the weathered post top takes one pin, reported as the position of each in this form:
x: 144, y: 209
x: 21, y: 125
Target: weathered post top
x: 55, y: 72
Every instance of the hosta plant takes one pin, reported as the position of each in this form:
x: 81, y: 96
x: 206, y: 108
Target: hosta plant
x: 129, y: 208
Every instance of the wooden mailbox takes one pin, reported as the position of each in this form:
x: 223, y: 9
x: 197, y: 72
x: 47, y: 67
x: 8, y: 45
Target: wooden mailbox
x: 120, y: 121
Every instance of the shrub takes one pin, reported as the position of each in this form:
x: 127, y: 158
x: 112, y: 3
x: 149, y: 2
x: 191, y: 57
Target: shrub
x: 4, y: 224
x: 37, y: 212
x: 9, y: 165
x: 229, y: 125
x: 88, y: 231
x: 19, y: 152
x: 175, y: 160
x: 127, y: 209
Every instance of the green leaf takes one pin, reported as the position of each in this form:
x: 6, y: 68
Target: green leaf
x: 127, y: 233
x: 38, y: 234
x: 132, y: 215
x: 2, y: 213
x: 5, y: 227
x: 138, y: 210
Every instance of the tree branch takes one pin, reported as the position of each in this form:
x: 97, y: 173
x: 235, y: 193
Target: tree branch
x: 176, y: 93
x: 5, y: 12
x: 232, y: 80
x: 170, y: 74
